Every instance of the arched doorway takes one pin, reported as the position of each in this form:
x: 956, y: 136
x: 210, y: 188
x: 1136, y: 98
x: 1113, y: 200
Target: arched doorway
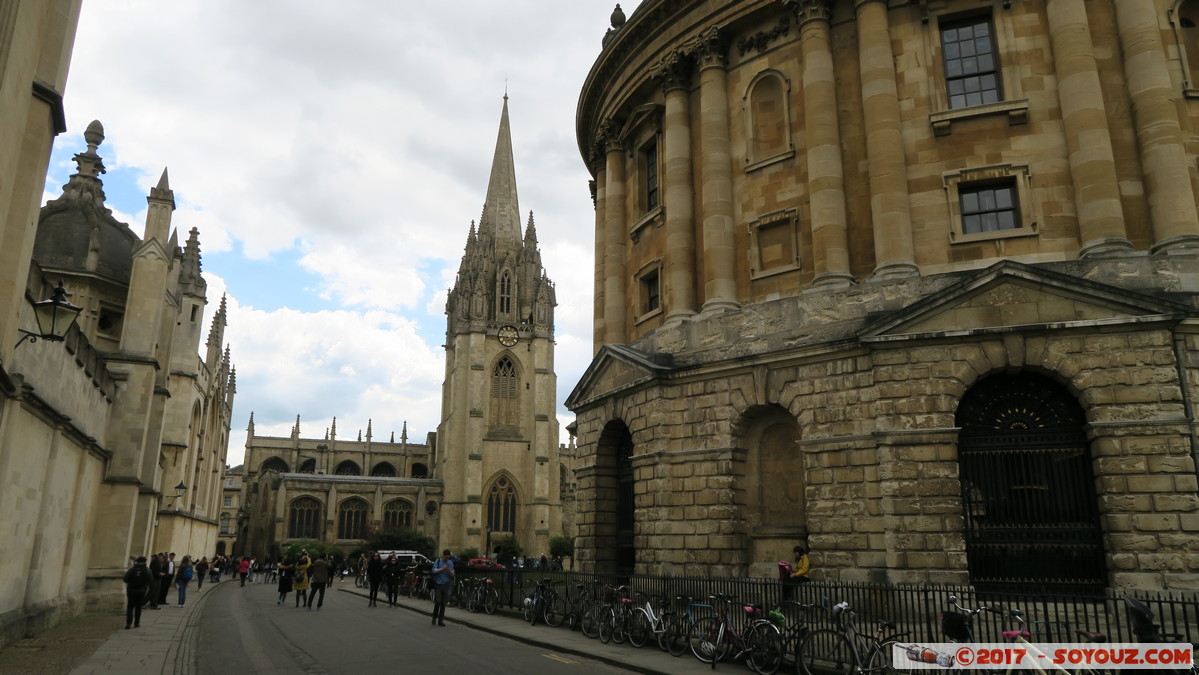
x: 1028, y: 489
x: 616, y: 519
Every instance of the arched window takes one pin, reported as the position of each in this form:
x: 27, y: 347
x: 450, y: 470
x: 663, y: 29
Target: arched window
x: 397, y: 513
x: 308, y: 466
x: 505, y: 293
x: 501, y: 506
x: 348, y: 468
x: 274, y: 464
x: 304, y: 519
x: 420, y: 470
x: 768, y: 117
x: 1028, y: 489
x: 351, y: 519
x: 384, y: 470
x: 505, y: 390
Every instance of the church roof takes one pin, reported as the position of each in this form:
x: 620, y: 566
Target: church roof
x: 501, y: 211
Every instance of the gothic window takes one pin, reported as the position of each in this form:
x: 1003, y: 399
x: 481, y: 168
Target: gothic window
x: 304, y: 518
x: 774, y: 243
x: 384, y: 470
x: 225, y: 524
x: 273, y: 464
x: 768, y: 118
x: 351, y: 519
x: 505, y: 387
x: 649, y: 175
x: 505, y: 293
x: 396, y: 514
x: 308, y: 466
x: 420, y: 470
x: 971, y: 62
x: 501, y: 506
x: 348, y: 468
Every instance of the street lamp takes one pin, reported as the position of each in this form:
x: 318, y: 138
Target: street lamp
x: 179, y: 490
x: 54, y: 318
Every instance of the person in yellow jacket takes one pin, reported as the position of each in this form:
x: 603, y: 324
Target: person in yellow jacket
x: 300, y: 582
x: 802, y: 566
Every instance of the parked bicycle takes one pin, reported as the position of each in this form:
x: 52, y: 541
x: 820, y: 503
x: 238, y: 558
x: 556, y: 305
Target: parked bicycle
x: 720, y: 637
x: 842, y: 649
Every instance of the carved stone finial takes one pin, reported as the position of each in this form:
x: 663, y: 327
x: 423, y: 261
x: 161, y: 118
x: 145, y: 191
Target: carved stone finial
x: 94, y: 134
x: 618, y: 17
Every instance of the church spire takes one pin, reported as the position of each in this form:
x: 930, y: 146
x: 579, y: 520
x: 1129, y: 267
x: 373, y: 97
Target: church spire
x: 501, y: 212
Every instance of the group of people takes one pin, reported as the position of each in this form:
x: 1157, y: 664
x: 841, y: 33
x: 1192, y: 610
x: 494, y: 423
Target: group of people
x: 148, y: 583
x: 308, y: 577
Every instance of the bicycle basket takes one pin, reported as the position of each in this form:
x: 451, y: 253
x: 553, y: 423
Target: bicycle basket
x: 957, y: 626
x: 1140, y: 617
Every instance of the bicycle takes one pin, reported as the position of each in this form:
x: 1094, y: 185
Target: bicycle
x: 778, y: 637
x: 613, y: 619
x: 645, y: 622
x: 544, y: 602
x: 1141, y: 620
x: 716, y: 637
x: 842, y: 649
x: 958, y: 626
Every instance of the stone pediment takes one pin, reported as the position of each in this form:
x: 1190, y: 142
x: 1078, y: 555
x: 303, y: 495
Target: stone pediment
x: 616, y: 368
x: 1009, y: 295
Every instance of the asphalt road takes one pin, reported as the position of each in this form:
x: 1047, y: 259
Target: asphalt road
x: 244, y: 631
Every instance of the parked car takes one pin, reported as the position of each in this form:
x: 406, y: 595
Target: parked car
x: 483, y: 564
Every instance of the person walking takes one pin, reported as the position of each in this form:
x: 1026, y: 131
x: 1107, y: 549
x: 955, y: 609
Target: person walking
x: 137, y: 586
x: 300, y: 579
x: 374, y: 576
x: 183, y: 576
x: 156, y: 573
x: 201, y: 572
x: 393, y: 574
x: 443, y: 578
x: 243, y: 569
x: 286, y: 573
x: 319, y: 575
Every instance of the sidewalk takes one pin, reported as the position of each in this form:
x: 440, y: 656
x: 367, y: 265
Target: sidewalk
x: 164, y: 643
x: 166, y: 640
x: 509, y: 623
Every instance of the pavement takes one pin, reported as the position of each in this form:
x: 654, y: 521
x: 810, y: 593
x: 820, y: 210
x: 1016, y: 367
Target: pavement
x: 166, y: 640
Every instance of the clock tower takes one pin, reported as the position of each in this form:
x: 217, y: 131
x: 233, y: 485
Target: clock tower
x: 497, y: 444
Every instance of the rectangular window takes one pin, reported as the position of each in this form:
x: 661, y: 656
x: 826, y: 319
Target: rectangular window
x: 989, y: 208
x: 228, y: 501
x: 649, y: 158
x: 971, y: 63
x: 651, y: 292
x: 774, y: 244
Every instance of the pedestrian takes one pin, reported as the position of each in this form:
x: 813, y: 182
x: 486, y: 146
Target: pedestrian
x: 443, y: 578
x: 243, y: 569
x: 803, y: 566
x: 374, y: 576
x: 393, y: 574
x: 168, y: 578
x: 286, y: 572
x: 137, y: 586
x: 157, y: 571
x: 182, y: 577
x: 300, y: 580
x: 319, y: 574
x: 201, y: 570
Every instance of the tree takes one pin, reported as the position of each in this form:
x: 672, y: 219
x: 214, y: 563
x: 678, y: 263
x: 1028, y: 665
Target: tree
x: 507, y: 549
x: 314, y: 548
x: 401, y: 539
x: 562, y: 547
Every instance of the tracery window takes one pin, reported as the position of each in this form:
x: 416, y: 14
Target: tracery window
x: 397, y: 513
x: 348, y: 468
x: 384, y: 470
x: 501, y: 506
x: 505, y: 294
x: 273, y: 464
x: 505, y: 388
x: 351, y: 519
x: 304, y: 519
x: 308, y: 466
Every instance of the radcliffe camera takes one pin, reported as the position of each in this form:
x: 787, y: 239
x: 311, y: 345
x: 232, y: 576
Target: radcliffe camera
x: 816, y: 335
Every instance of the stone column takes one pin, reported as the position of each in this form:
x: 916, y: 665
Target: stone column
x: 720, y: 266
x: 677, y: 189
x: 615, y: 306
x: 890, y: 210
x: 826, y: 181
x: 1159, y: 134
x: 599, y: 196
x: 1092, y: 161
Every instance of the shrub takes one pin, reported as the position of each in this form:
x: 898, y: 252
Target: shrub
x: 562, y: 547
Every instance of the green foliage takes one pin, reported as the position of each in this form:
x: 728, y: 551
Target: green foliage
x: 314, y: 549
x: 468, y: 553
x: 401, y: 539
x: 562, y: 547
x: 509, y: 549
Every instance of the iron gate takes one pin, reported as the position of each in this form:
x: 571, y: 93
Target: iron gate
x: 1028, y: 490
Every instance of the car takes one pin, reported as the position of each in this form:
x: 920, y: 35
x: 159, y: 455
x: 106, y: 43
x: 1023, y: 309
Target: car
x: 483, y: 564
x: 408, y: 558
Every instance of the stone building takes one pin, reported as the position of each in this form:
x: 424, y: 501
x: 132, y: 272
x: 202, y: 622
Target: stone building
x: 231, y: 507
x: 112, y: 440
x: 493, y: 467
x: 911, y: 283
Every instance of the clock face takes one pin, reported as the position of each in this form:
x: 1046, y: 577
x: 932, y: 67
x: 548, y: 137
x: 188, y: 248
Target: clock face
x: 508, y: 336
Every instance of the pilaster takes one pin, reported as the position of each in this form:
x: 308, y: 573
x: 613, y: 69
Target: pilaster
x: 674, y: 72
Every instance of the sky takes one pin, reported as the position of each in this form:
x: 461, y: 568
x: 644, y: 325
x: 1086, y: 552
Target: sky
x: 332, y: 156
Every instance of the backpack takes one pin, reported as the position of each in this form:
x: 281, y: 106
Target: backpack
x: 139, y: 576
x: 187, y: 573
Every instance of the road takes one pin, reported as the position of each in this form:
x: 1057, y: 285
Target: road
x: 242, y: 630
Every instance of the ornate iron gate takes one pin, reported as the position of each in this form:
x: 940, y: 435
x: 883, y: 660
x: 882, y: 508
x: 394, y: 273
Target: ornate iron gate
x: 1028, y: 490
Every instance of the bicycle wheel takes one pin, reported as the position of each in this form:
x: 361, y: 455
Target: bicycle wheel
x: 881, y: 659
x: 605, y: 618
x: 676, y: 635
x: 555, y: 611
x: 526, y: 608
x: 491, y: 600
x: 824, y: 652
x: 639, y: 628
x: 360, y: 582
x: 589, y: 621
x: 620, y: 625
x: 765, y: 645
x: 706, y: 639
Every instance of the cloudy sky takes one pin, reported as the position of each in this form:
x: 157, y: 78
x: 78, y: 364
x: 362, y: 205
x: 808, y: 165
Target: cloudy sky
x: 333, y: 155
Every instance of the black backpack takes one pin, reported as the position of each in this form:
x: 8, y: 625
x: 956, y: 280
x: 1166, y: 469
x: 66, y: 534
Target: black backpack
x: 139, y: 576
